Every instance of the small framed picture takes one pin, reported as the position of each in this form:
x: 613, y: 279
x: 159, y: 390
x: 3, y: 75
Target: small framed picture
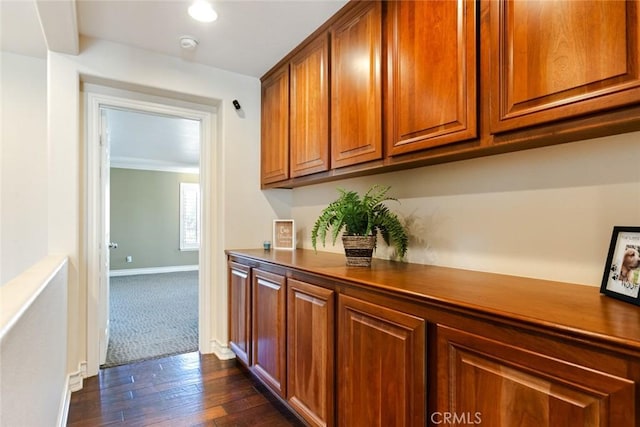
x: 284, y: 234
x: 622, y: 272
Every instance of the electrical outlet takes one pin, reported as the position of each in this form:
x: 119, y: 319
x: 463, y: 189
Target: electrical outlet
x: 129, y: 258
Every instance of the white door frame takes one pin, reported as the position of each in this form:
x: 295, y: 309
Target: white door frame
x: 209, y: 249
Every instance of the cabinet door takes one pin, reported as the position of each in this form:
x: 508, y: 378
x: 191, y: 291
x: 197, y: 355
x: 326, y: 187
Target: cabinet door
x: 309, y: 126
x: 310, y: 371
x: 381, y: 362
x: 240, y: 311
x: 482, y: 381
x: 556, y: 59
x: 274, y: 151
x: 431, y: 74
x: 268, y: 338
x: 356, y: 106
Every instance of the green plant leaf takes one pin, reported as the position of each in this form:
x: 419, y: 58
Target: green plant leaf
x: 362, y: 216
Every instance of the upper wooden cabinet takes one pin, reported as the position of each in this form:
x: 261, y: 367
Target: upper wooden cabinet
x: 431, y: 74
x: 274, y: 150
x: 551, y: 60
x: 309, y: 103
x: 356, y: 95
x: 389, y: 85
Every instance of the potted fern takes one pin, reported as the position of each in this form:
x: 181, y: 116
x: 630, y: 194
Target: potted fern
x: 361, y: 218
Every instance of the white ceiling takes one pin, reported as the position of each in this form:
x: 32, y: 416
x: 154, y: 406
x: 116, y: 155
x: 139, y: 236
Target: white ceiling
x: 20, y: 30
x: 149, y: 141
x: 249, y: 37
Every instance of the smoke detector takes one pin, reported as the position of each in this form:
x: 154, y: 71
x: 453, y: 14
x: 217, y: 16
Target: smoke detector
x: 188, y: 43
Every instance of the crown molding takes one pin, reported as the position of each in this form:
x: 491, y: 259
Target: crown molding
x: 152, y: 165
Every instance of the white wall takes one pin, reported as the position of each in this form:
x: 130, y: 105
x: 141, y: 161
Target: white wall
x: 545, y: 213
x: 247, y: 212
x: 23, y: 164
x: 33, y: 354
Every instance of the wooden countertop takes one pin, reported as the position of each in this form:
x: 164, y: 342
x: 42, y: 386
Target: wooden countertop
x: 574, y: 309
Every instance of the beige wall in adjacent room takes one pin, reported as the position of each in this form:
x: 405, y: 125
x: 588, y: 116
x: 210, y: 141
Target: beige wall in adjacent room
x: 145, y: 219
x: 23, y: 168
x: 545, y: 213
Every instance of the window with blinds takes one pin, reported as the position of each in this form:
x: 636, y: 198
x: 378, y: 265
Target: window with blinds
x: 189, y: 216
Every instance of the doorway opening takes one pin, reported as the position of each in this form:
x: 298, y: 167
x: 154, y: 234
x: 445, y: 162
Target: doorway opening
x: 194, y: 231
x: 152, y: 227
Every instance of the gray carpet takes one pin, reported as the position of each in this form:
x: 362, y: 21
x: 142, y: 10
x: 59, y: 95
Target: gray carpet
x: 152, y: 315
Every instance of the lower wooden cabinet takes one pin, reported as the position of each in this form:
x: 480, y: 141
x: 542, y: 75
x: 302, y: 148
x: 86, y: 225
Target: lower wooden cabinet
x: 239, y: 294
x: 310, y: 356
x: 268, y: 330
x: 366, y: 354
x: 381, y: 366
x: 482, y: 381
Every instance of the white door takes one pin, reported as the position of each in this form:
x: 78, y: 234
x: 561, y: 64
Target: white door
x: 105, y: 236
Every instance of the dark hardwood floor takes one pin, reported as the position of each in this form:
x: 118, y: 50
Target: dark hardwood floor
x: 184, y: 390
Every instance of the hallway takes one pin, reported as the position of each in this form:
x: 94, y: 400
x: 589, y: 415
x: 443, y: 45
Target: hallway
x: 183, y: 390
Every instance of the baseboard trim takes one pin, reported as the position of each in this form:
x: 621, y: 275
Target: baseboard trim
x: 152, y: 270
x: 223, y: 352
x: 63, y: 411
x: 73, y: 383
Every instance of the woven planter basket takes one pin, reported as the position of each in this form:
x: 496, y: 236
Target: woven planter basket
x: 359, y: 250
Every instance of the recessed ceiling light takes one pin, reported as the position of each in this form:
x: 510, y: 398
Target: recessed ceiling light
x: 202, y: 11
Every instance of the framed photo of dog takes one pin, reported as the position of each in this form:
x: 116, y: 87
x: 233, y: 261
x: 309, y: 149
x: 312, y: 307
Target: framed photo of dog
x: 622, y: 272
